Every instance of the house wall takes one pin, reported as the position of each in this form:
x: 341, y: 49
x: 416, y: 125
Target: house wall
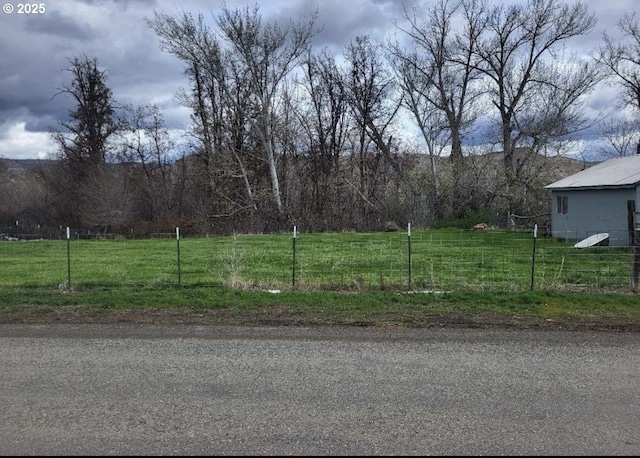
x: 592, y: 211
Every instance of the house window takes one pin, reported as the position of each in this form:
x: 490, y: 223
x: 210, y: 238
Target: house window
x: 563, y: 204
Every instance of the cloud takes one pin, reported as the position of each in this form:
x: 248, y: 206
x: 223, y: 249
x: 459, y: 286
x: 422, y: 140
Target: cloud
x: 59, y: 25
x: 16, y: 142
x: 36, y: 49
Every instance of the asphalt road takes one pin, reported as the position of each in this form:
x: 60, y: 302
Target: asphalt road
x: 222, y: 390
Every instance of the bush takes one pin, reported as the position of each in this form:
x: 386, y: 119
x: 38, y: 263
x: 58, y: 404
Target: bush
x: 485, y: 215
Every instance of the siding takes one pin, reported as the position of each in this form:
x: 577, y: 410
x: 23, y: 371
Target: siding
x: 591, y: 212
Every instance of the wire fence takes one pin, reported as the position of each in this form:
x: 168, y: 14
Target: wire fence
x: 425, y: 260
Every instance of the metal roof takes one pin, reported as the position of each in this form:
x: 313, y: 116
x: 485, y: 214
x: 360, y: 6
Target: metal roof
x: 613, y: 173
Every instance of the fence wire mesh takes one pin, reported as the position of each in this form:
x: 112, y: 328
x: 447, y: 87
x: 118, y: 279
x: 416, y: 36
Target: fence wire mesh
x: 432, y: 260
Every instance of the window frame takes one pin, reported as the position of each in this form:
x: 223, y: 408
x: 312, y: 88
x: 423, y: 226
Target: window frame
x: 562, y: 204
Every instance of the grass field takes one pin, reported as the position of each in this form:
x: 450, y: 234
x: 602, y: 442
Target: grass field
x: 441, y: 260
x: 434, y: 278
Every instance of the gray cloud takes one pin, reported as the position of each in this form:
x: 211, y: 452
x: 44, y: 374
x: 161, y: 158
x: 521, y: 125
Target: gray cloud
x: 57, y: 24
x: 34, y: 50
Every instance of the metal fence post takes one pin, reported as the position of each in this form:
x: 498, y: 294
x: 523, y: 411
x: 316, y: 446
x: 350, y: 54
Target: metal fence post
x: 533, y: 257
x: 293, y: 260
x: 68, y: 258
x: 409, y: 253
x: 178, y: 247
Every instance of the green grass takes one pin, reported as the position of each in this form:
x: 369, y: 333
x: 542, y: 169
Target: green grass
x: 220, y: 305
x: 442, y: 260
x: 339, y: 278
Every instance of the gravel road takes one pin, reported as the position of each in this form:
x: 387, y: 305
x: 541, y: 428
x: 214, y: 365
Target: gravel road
x: 135, y: 389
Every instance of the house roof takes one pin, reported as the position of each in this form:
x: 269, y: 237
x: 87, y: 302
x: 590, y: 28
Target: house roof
x: 621, y: 172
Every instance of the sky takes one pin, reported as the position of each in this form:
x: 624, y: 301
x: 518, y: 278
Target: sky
x: 35, y: 50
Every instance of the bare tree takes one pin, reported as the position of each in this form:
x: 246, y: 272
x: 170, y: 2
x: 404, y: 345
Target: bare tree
x: 92, y: 122
x: 622, y: 136
x: 148, y: 146
x: 323, y: 116
x: 622, y: 59
x: 24, y: 196
x: 84, y: 143
x: 370, y: 89
x: 268, y: 54
x: 431, y: 121
x: 107, y: 201
x: 371, y: 94
x: 259, y: 56
x: 533, y: 92
x: 441, y: 70
x: 220, y: 101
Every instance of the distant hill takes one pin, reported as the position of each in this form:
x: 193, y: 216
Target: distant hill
x: 24, y: 164
x: 561, y: 166
x: 551, y: 168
